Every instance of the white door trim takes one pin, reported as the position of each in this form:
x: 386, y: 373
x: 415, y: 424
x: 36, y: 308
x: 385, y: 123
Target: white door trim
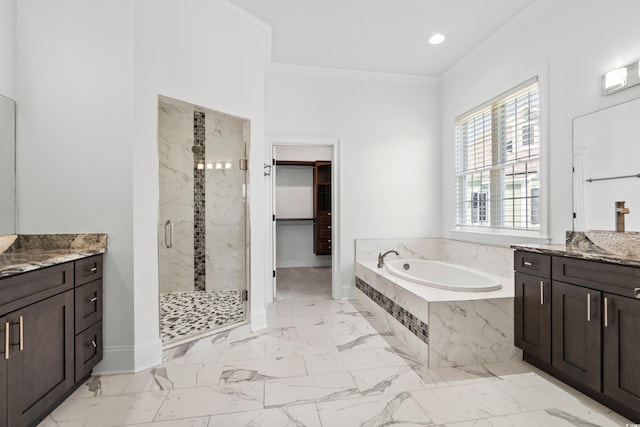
x: 312, y: 141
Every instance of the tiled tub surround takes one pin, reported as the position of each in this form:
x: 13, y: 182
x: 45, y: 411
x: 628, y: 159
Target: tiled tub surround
x: 462, y: 328
x: 33, y: 251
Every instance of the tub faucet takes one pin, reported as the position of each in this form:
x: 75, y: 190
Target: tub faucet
x: 382, y: 255
x: 621, y: 211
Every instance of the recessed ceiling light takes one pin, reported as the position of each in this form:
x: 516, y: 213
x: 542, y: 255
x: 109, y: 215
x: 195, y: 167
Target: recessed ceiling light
x: 436, y: 39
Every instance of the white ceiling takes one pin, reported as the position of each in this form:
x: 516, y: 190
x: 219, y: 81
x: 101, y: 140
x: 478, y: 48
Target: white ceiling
x: 388, y: 36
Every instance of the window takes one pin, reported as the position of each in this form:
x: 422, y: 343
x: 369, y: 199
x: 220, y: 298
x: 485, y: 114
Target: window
x: 498, y: 162
x: 479, y: 207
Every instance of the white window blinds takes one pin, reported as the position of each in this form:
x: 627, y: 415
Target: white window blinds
x: 498, y: 162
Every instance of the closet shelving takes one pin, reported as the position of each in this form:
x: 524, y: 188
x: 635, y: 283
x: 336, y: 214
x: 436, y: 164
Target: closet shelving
x: 321, y: 219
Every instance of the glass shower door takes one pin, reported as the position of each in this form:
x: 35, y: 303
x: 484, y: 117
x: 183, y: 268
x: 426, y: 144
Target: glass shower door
x: 203, y: 220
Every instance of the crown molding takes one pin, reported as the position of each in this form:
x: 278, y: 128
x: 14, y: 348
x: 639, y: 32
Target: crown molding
x: 340, y: 73
x: 252, y: 20
x: 506, y: 32
x: 246, y: 16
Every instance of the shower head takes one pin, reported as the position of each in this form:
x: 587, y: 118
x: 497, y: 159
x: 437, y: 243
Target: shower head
x: 197, y: 149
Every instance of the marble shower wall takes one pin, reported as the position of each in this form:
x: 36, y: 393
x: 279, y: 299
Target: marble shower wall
x: 175, y: 139
x: 225, y: 203
x: 207, y: 210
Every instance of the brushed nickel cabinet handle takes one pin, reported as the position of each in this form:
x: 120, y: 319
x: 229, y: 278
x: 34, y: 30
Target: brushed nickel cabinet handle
x: 93, y: 270
x: 21, y: 333
x: 94, y: 299
x: 588, y: 307
x: 528, y: 264
x: 541, y: 292
x: 606, y: 312
x: 7, y: 325
x: 93, y: 343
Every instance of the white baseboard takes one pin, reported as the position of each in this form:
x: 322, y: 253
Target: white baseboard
x: 116, y: 360
x: 148, y: 354
x: 258, y: 320
x: 303, y: 263
x: 129, y: 359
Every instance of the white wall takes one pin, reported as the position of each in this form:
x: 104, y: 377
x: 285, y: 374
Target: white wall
x: 75, y: 63
x: 577, y: 42
x: 90, y: 73
x: 7, y: 47
x: 209, y: 54
x: 388, y: 130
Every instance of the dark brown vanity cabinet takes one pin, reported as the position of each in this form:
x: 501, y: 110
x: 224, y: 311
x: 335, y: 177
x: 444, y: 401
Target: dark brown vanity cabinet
x: 88, y: 315
x: 533, y: 305
x: 594, y: 331
x: 577, y: 333
x: 621, y: 340
x: 38, y: 364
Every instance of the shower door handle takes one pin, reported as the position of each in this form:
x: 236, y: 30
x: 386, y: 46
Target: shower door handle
x: 168, y: 234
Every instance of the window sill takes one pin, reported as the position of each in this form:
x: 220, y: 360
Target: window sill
x: 494, y: 237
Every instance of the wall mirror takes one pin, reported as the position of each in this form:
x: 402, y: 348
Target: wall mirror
x: 7, y: 165
x: 606, y: 150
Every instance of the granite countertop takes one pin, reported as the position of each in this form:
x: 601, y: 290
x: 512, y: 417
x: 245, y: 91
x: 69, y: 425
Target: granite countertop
x: 34, y: 251
x: 579, y: 246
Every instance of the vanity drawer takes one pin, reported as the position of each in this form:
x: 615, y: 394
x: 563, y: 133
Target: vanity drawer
x: 88, y: 350
x: 88, y: 269
x: 616, y: 279
x: 88, y: 305
x: 27, y: 288
x: 532, y: 263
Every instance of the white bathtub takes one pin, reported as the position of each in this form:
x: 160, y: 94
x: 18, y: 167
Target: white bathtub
x: 443, y: 275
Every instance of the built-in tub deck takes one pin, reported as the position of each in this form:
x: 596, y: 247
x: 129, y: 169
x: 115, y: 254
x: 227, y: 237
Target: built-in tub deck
x: 441, y: 327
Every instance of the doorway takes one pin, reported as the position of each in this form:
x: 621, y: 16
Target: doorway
x: 304, y: 213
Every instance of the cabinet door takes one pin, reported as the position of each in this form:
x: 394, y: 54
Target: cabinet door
x: 621, y: 350
x: 41, y: 359
x: 533, y: 316
x: 3, y: 372
x: 576, y: 333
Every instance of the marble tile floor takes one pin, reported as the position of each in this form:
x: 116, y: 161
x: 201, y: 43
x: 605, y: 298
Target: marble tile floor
x: 325, y: 363
x: 186, y: 314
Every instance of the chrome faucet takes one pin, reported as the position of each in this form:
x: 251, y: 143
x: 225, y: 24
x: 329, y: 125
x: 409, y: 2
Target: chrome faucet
x: 621, y: 211
x: 382, y: 255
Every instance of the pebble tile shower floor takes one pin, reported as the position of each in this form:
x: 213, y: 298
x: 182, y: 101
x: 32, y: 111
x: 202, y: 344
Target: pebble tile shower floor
x: 325, y: 363
x: 185, y: 314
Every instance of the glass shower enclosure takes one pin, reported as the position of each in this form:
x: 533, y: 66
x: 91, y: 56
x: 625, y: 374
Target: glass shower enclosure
x: 203, y: 211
